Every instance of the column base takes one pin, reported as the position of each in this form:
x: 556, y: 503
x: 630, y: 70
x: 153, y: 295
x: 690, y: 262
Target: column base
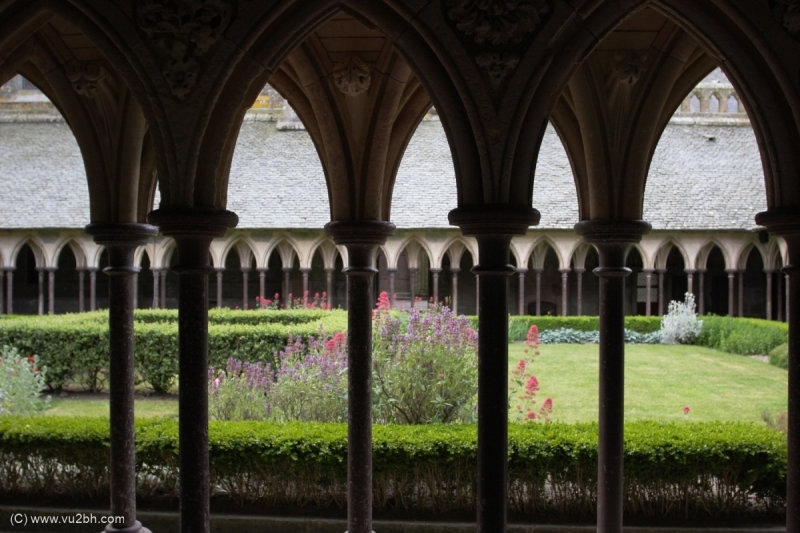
x: 135, y: 528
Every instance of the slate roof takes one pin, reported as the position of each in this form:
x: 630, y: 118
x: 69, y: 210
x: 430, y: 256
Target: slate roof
x: 277, y: 180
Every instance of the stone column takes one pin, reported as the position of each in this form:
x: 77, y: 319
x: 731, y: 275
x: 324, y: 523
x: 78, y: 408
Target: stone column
x: 392, y: 273
x: 662, y: 303
x: 287, y: 286
x: 41, y: 290
x: 731, y: 291
x: 648, y: 279
x: 564, y: 291
x: 93, y: 288
x: 612, y: 238
x: 538, y: 272
x: 521, y: 292
x: 220, y: 272
x: 305, y: 272
x: 120, y: 241
x: 454, y: 272
x: 163, y: 274
x: 51, y: 290
x: 136, y: 289
x: 786, y: 223
x: 193, y: 231
x: 81, y: 290
x: 413, y: 280
x: 780, y: 291
x: 701, y: 292
x: 10, y: 290
x: 262, y: 282
x: 493, y: 228
x: 769, y: 272
x: 245, y: 281
x: 435, y: 274
x: 156, y: 277
x: 579, y: 272
x: 329, y: 284
x: 2, y: 291
x: 361, y: 240
x: 741, y: 293
x: 690, y: 280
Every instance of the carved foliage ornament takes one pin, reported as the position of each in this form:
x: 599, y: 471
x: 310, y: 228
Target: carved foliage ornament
x: 628, y: 66
x: 497, y: 65
x: 184, y: 30
x: 497, y: 21
x: 84, y: 77
x: 788, y: 14
x: 352, y: 76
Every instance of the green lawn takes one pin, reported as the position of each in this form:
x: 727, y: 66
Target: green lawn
x: 77, y: 406
x: 659, y: 381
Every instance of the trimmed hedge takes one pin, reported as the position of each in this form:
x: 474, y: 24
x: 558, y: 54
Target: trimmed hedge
x: 518, y: 326
x: 680, y: 470
x: 74, y: 347
x: 743, y: 336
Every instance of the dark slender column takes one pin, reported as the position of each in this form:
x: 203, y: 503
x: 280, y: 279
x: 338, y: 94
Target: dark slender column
x: 10, y: 290
x: 454, y: 272
x: 41, y: 290
x: 662, y: 293
x: 435, y: 274
x: 305, y: 272
x: 361, y: 239
x: 193, y: 231
x: 477, y: 292
x: 613, y: 239
x: 493, y: 228
x: 51, y: 290
x: 648, y: 277
x: 329, y: 284
x: 780, y: 291
x: 538, y: 290
x: 163, y: 288
x: 392, y: 275
x: 769, y: 272
x: 287, y: 286
x: 564, y: 291
x: 120, y: 241
x: 81, y: 290
x: 579, y: 273
x: 521, y: 292
x: 2, y: 291
x: 156, y: 277
x: 741, y: 293
x: 262, y: 282
x: 786, y: 223
x: 731, y: 291
x: 346, y: 290
x: 245, y: 280
x: 220, y: 272
x: 701, y: 291
x: 93, y: 288
x: 413, y: 275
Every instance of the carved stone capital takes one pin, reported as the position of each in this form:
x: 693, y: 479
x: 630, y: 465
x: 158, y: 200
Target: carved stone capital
x: 498, y: 21
x: 359, y: 232
x: 497, y: 65
x: 84, y: 77
x: 788, y: 14
x: 494, y: 219
x: 628, y: 66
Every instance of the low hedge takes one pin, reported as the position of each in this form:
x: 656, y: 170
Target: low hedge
x: 518, y: 326
x: 74, y: 348
x: 743, y: 336
x: 671, y: 469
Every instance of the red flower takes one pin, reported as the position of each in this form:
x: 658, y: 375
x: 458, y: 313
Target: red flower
x: 686, y: 409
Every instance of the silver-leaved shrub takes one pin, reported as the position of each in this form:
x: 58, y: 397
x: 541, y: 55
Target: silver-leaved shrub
x: 21, y: 384
x: 680, y: 324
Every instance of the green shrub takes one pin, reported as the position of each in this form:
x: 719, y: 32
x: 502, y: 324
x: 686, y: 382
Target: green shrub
x: 74, y: 347
x: 518, y: 326
x: 677, y: 470
x: 779, y: 356
x: 21, y: 384
x: 744, y: 336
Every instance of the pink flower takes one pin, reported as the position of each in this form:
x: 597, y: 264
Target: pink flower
x: 530, y: 416
x: 521, y: 366
x: 686, y: 409
x: 532, y: 385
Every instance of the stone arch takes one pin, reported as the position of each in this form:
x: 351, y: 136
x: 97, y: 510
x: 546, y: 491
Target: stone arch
x: 545, y: 242
x: 325, y: 246
x: 36, y: 247
x: 706, y: 249
x: 666, y: 248
x: 77, y: 251
x: 744, y: 254
x: 243, y: 246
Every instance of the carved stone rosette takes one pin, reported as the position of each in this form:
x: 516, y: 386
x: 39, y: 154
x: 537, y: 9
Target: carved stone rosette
x: 352, y: 76
x: 84, y: 77
x: 498, y: 21
x: 497, y: 65
x: 628, y: 66
x: 184, y: 30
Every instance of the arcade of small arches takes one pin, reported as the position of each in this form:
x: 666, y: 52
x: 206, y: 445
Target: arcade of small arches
x: 58, y: 273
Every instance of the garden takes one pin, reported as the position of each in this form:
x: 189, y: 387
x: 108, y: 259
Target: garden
x: 704, y: 412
